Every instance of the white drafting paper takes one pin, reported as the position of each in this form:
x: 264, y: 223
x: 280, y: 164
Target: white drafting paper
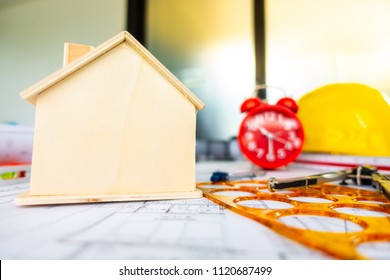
x: 171, y: 229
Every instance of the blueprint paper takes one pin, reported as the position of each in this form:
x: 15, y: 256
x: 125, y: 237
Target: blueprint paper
x: 170, y: 229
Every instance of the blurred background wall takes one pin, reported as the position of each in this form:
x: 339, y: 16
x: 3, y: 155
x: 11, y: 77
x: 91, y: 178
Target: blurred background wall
x: 32, y: 37
x: 207, y: 44
x: 313, y: 43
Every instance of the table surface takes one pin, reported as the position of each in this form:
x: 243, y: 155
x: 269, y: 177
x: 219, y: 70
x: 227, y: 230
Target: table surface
x: 170, y: 229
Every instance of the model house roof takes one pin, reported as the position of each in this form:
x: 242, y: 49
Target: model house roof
x: 32, y: 92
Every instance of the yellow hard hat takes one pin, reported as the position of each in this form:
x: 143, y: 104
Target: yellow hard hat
x: 346, y: 119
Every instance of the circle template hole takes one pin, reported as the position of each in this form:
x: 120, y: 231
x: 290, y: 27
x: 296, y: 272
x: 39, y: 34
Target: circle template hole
x: 255, y: 185
x: 310, y: 199
x: 264, y: 204
x: 373, y: 202
x: 213, y: 186
x: 320, y: 223
x: 379, y: 250
x: 360, y: 212
x: 276, y: 192
x: 234, y: 193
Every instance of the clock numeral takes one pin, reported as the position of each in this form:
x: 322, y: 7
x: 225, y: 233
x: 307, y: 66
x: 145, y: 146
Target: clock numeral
x: 260, y: 153
x: 270, y: 116
x: 249, y: 135
x: 281, y: 153
x: 288, y: 146
x: 292, y: 135
x: 290, y: 124
x: 280, y: 118
x: 252, y: 125
x: 270, y: 157
x: 297, y: 142
x: 255, y: 122
x: 259, y: 119
x: 252, y: 146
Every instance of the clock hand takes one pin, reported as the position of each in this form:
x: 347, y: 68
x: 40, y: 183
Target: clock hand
x: 270, y: 137
x: 270, y: 155
x: 281, y: 140
x: 264, y: 131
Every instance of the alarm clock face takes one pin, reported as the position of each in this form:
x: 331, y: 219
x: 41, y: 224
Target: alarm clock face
x: 271, y: 136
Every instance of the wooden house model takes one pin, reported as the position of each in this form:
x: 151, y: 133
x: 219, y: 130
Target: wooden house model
x: 112, y: 125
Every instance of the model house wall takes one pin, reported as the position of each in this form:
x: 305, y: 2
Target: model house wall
x: 118, y: 123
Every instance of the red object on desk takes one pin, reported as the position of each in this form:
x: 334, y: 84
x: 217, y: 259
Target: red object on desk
x: 270, y: 136
x: 13, y: 173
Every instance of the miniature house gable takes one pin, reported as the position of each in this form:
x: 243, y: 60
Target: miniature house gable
x: 112, y: 125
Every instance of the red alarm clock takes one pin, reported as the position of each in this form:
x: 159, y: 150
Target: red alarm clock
x: 270, y: 136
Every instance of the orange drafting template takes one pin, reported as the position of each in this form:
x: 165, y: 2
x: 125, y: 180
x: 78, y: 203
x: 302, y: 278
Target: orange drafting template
x: 356, y: 215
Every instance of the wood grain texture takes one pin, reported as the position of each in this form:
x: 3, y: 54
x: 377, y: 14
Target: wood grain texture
x: 25, y: 199
x: 111, y: 132
x: 113, y: 125
x: 74, y: 51
x: 31, y: 93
